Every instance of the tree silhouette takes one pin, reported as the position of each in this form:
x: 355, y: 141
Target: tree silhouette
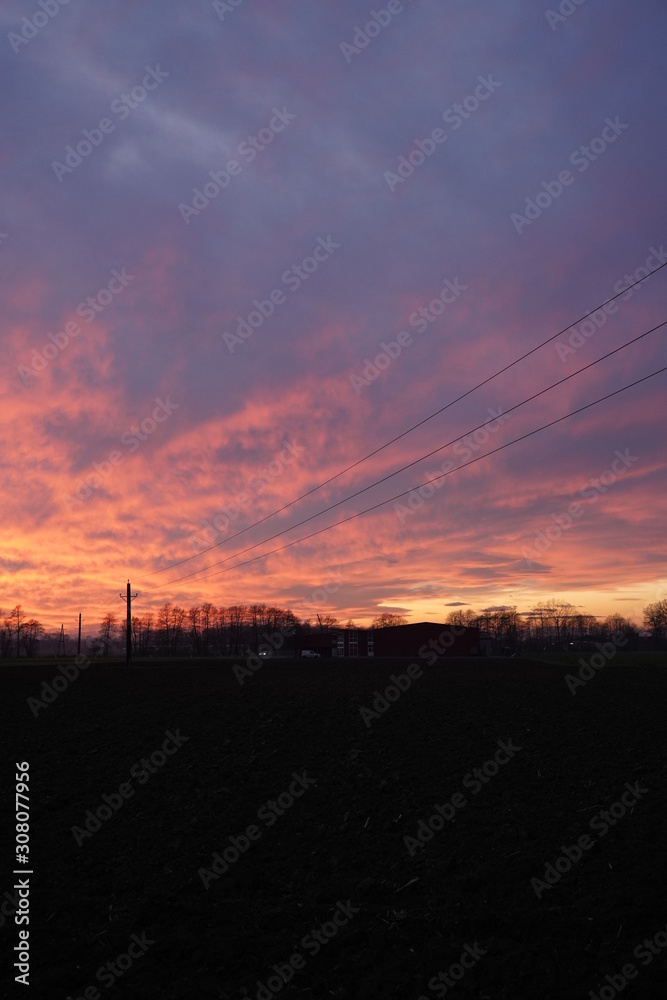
x: 655, y: 619
x: 31, y: 632
x: 387, y: 619
x: 106, y: 632
x: 15, y: 615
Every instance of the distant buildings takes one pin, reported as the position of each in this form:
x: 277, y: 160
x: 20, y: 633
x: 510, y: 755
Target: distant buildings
x: 428, y: 640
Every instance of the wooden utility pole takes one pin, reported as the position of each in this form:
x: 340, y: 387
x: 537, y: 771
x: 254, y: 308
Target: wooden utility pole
x: 78, y: 645
x: 61, y: 640
x: 128, y: 647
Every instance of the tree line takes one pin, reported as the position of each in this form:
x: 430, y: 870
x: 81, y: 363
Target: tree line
x: 207, y: 630
x: 17, y: 632
x: 559, y: 624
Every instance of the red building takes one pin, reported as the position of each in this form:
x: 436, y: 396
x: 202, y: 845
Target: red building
x: 427, y: 640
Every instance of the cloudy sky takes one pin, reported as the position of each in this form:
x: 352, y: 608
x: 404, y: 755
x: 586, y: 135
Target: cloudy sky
x: 215, y: 218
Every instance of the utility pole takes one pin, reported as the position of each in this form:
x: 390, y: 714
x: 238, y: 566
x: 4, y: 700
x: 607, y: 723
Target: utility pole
x: 61, y: 640
x: 128, y: 647
x: 78, y: 645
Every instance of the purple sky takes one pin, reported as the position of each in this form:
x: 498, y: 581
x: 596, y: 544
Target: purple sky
x: 306, y: 136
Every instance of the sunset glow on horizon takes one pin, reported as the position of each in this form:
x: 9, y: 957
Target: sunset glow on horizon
x: 242, y: 251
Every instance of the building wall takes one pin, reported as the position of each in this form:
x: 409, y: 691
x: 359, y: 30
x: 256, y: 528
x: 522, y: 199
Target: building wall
x: 354, y: 642
x: 321, y: 642
x: 408, y: 640
x: 397, y: 640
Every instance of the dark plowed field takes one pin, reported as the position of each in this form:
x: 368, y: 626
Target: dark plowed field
x: 331, y: 861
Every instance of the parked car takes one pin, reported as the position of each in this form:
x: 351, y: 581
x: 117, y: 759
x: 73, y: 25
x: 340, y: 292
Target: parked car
x: 309, y: 652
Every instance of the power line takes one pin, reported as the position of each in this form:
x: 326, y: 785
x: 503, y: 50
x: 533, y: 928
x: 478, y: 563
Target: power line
x: 421, y: 458
x: 403, y: 434
x: 435, y: 479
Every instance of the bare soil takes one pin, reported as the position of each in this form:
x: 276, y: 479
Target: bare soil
x: 342, y: 841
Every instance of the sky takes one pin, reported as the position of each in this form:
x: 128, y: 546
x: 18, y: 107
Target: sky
x: 215, y: 218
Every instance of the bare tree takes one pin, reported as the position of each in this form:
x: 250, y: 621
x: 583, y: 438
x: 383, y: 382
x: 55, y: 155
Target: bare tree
x: 177, y: 621
x: 387, y: 619
x: 6, y: 635
x: 287, y: 620
x: 583, y: 628
x: 106, y: 632
x: 326, y: 622
x: 163, y: 627
x: 141, y: 632
x: 238, y: 620
x: 468, y: 618
x: 258, y: 620
x: 510, y: 626
x: 146, y: 626
x: 275, y: 617
x: 555, y: 620
x: 194, y: 619
x: 618, y: 626
x: 207, y: 621
x: 655, y: 619
x: 220, y: 622
x: 15, y: 616
x: 31, y: 632
x: 136, y: 633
